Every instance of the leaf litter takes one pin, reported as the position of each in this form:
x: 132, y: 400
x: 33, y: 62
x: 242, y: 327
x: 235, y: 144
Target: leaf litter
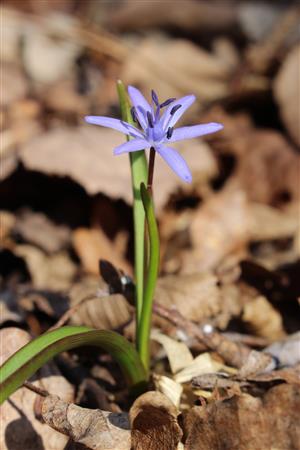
x: 226, y: 325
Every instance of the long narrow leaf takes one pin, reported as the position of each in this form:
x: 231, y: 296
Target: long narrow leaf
x: 139, y: 171
x: 26, y: 361
x: 153, y: 267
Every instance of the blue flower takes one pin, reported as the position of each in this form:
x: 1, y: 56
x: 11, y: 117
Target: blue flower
x: 157, y: 128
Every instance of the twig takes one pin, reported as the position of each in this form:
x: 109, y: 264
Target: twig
x: 233, y: 353
x: 35, y: 389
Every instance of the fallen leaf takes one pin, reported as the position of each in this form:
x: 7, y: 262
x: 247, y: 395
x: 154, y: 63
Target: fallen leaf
x: 195, y: 295
x: 91, y: 245
x: 99, y: 311
x: 174, y: 67
x: 287, y: 92
x: 218, y: 229
x: 169, y: 388
x: 20, y: 428
x: 246, y: 423
x: 37, y: 229
x: 85, y: 154
x: 287, y: 351
x: 178, y: 353
x: 203, y: 363
x: 14, y: 85
x: 263, y: 319
x: 93, y: 428
x: 56, y: 271
x: 154, y: 426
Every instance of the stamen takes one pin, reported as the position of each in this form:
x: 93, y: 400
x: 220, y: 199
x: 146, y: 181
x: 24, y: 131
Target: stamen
x: 170, y: 132
x: 154, y: 97
x: 133, y: 114
x: 150, y: 119
x: 167, y: 102
x: 174, y: 109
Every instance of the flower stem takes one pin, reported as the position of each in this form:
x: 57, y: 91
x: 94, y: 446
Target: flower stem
x: 152, y: 273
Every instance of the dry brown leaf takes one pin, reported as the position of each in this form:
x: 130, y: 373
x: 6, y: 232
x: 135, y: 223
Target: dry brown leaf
x: 14, y: 85
x: 56, y: 271
x: 168, y: 387
x: 287, y: 92
x: 247, y: 423
x: 202, y: 364
x: 287, y: 351
x: 85, y: 154
x: 178, y: 353
x: 256, y: 363
x: 37, y: 229
x: 91, y: 245
x: 218, y: 228
x: 93, y: 428
x: 263, y: 319
x: 20, y: 429
x: 196, y: 296
x: 271, y: 223
x: 100, y: 311
x: 154, y: 426
x: 195, y: 16
x: 174, y: 67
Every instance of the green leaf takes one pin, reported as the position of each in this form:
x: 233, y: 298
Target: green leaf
x: 153, y: 268
x: 26, y: 361
x: 139, y: 173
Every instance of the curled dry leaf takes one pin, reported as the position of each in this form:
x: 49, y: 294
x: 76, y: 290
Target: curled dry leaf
x: 169, y: 388
x: 202, y: 364
x: 256, y: 363
x: 287, y: 92
x: 247, y: 423
x: 93, y: 428
x: 20, y: 429
x: 178, y: 353
x: 154, y: 426
x: 263, y: 319
x: 14, y: 85
x: 100, y: 310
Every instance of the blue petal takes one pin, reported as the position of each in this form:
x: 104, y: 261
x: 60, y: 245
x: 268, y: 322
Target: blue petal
x: 194, y: 131
x: 141, y: 106
x: 131, y: 146
x: 168, y: 120
x: 115, y: 124
x: 176, y: 162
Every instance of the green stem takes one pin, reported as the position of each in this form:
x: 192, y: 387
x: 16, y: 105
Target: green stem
x: 153, y: 267
x: 26, y: 361
x: 139, y: 170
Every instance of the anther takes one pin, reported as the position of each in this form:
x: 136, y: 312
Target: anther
x: 167, y: 102
x: 133, y: 114
x: 150, y: 119
x: 174, y: 109
x: 154, y: 97
x: 170, y: 132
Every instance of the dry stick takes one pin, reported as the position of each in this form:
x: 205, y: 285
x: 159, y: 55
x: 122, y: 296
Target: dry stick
x: 233, y: 353
x: 35, y: 389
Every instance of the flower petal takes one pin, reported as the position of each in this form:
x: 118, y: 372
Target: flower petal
x: 176, y: 162
x: 141, y: 106
x: 115, y: 124
x: 168, y: 120
x: 131, y: 146
x: 194, y: 131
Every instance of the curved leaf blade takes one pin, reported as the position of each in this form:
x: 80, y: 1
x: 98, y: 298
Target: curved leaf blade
x: 26, y: 361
